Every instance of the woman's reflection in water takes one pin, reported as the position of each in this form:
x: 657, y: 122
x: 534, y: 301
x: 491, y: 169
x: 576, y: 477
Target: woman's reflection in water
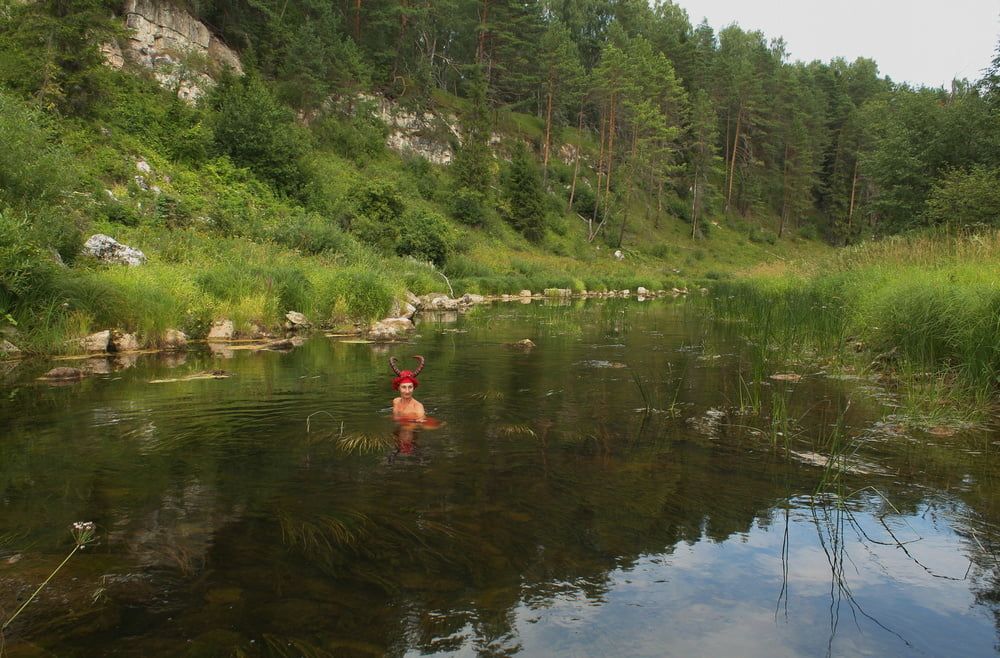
x: 405, y: 435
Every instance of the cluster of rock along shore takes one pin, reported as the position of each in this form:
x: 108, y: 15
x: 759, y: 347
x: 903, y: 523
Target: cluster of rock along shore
x: 223, y: 338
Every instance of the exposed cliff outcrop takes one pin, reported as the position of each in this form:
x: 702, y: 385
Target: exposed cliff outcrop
x: 422, y: 133
x: 181, y: 51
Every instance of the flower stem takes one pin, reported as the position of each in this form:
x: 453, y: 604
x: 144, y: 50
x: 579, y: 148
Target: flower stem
x: 35, y: 593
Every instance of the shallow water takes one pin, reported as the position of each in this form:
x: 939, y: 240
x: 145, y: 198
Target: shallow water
x: 552, y: 514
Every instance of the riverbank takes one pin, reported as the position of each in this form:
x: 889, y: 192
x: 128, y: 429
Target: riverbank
x: 920, y: 310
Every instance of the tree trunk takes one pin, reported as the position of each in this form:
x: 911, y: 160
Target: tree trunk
x: 784, y: 196
x: 576, y: 165
x: 854, y: 186
x: 600, y: 172
x: 732, y: 166
x: 694, y: 206
x: 357, y: 21
x: 548, y: 137
x: 611, y: 154
x: 484, y: 14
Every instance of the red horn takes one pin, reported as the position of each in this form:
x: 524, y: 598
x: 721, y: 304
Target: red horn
x: 421, y: 366
x: 394, y: 365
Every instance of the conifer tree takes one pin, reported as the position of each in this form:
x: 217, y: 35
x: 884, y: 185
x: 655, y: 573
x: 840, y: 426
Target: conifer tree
x: 524, y: 193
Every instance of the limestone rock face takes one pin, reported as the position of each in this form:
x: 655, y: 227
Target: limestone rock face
x: 390, y: 329
x: 174, y: 339
x: 107, y: 249
x: 122, y: 342
x: 221, y: 330
x: 422, y: 133
x: 97, y: 342
x: 170, y: 42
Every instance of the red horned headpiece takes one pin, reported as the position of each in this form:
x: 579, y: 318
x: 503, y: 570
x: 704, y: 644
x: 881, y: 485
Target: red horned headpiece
x: 406, y: 375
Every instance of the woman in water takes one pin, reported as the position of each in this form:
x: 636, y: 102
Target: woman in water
x: 405, y: 407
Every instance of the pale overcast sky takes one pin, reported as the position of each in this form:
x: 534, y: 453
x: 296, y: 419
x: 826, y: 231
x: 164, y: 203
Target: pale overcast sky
x: 927, y: 42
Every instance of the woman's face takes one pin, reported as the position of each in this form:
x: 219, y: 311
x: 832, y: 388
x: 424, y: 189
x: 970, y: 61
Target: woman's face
x: 406, y: 390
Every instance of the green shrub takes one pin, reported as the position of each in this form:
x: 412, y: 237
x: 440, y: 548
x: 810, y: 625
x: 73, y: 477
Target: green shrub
x: 366, y: 295
x: 425, y: 235
x: 465, y: 267
x: 256, y: 131
x: 421, y: 173
x: 468, y: 207
x: 25, y: 269
x: 311, y: 233
x: 360, y: 137
x: 379, y: 201
x: 965, y: 199
x: 762, y: 236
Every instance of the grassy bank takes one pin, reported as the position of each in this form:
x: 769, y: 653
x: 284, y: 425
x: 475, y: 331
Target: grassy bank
x: 924, y: 309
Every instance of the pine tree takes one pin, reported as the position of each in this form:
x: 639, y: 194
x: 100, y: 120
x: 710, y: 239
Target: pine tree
x: 524, y: 193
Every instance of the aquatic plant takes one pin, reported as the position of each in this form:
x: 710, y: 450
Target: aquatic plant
x: 362, y: 443
x: 83, y: 533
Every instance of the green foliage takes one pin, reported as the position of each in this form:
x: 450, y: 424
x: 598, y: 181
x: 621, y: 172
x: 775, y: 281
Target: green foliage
x: 26, y: 270
x: 378, y: 210
x: 311, y: 233
x: 34, y: 168
x: 50, y: 51
x: 761, y: 235
x: 425, y: 236
x: 366, y: 295
x: 524, y: 192
x: 966, y: 199
x: 469, y: 207
x: 256, y: 131
x: 360, y: 136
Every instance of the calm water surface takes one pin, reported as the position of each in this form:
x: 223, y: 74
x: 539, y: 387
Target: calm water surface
x: 552, y: 514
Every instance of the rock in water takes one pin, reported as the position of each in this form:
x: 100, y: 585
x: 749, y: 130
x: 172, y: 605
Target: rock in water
x: 106, y: 249
x: 174, y: 339
x: 98, y: 342
x: 122, y: 342
x: 390, y: 329
x: 296, y: 321
x: 8, y: 349
x: 221, y: 330
x: 63, y: 374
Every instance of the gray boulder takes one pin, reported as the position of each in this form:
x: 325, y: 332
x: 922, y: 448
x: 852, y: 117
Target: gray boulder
x: 221, y: 330
x: 174, y: 339
x: 295, y: 321
x: 98, y: 342
x: 8, y: 349
x: 106, y: 249
x: 390, y: 329
x: 122, y: 342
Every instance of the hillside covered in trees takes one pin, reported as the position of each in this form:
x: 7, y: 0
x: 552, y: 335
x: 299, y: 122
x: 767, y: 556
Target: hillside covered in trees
x: 573, y: 124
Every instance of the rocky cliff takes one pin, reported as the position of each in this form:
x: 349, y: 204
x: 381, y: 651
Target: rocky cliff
x: 181, y: 51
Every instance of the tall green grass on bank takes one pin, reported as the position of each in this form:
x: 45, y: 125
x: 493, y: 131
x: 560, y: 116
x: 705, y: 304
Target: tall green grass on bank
x: 926, y: 307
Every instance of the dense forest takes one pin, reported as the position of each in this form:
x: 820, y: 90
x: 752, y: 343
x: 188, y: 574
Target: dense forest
x: 679, y: 127
x: 723, y: 118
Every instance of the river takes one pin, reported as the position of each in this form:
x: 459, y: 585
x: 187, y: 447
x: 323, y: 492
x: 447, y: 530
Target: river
x: 621, y: 488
